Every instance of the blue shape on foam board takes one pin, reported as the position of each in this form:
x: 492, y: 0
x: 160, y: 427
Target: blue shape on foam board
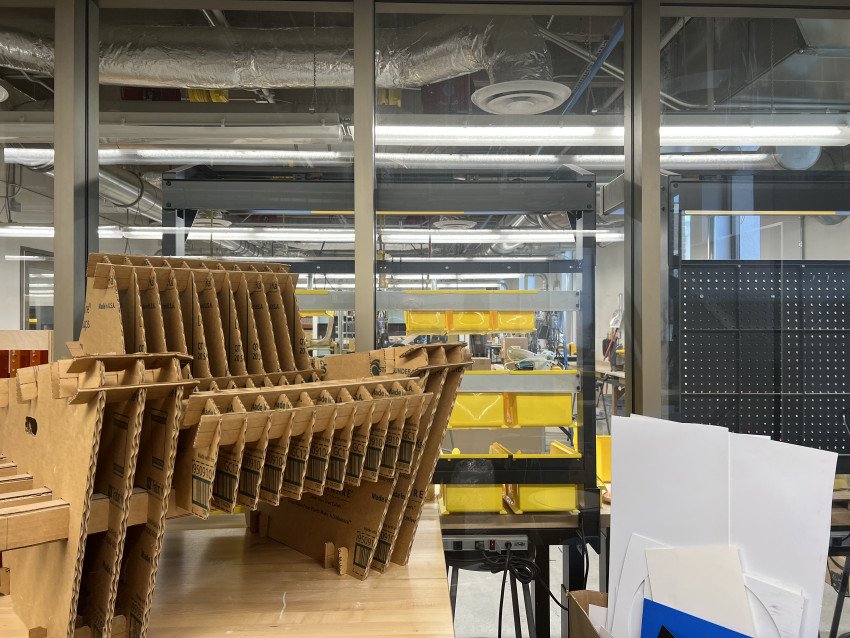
x: 658, y: 619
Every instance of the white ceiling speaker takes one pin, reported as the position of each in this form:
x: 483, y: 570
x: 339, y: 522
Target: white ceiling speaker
x: 521, y: 97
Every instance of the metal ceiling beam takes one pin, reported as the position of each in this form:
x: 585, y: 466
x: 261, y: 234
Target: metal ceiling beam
x: 230, y: 5
x: 603, y: 8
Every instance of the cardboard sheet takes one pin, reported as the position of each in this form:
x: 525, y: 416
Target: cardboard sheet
x: 706, y: 582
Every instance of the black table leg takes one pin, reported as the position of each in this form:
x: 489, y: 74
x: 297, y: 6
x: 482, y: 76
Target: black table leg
x: 541, y: 594
x: 604, y: 548
x: 529, y: 610
x: 575, y: 565
x: 515, y: 604
x: 454, y: 572
x: 839, y: 603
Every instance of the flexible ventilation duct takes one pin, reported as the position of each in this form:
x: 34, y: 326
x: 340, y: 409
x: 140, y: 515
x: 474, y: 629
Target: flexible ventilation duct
x: 510, y: 49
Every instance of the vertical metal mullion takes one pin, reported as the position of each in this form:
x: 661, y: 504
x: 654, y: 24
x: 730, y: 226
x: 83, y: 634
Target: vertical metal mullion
x: 644, y: 327
x: 364, y: 174
x: 76, y: 189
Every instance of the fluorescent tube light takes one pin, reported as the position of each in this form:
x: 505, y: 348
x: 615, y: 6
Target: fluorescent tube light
x: 26, y: 231
x: 756, y: 135
x: 28, y: 258
x: 414, y: 135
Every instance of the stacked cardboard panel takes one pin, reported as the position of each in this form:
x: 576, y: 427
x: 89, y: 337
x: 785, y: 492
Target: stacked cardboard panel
x: 235, y: 319
x: 217, y: 406
x: 94, y: 440
x: 369, y: 525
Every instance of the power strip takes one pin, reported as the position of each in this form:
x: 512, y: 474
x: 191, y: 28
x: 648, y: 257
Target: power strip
x: 473, y: 543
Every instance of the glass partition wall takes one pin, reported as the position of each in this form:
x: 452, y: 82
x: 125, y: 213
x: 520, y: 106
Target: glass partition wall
x: 754, y: 138
x: 26, y: 188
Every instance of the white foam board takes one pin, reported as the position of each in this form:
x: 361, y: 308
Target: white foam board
x: 777, y: 611
x: 624, y: 619
x: 779, y: 516
x: 672, y: 483
x: 706, y: 582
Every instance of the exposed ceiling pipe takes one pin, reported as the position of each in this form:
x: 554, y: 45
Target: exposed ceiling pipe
x: 509, y: 48
x: 612, y: 69
x: 589, y: 73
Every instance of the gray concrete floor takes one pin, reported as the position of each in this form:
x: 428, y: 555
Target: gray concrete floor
x: 478, y: 603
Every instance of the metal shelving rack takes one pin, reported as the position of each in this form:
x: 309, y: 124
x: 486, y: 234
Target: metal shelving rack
x: 192, y: 188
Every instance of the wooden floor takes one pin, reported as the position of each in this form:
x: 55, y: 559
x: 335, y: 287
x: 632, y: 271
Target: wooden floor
x: 220, y: 581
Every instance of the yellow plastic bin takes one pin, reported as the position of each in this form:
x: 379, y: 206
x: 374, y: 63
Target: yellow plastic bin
x: 425, y: 321
x: 506, y: 321
x: 541, y: 410
x: 541, y: 498
x: 470, y: 321
x: 479, y: 410
x: 603, y: 458
x: 456, y: 499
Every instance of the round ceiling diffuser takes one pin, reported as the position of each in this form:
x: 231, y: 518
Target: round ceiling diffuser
x: 521, y: 97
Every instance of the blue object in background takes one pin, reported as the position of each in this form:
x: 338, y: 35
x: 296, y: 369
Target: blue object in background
x: 660, y: 621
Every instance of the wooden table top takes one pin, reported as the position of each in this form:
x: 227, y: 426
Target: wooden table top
x: 216, y: 581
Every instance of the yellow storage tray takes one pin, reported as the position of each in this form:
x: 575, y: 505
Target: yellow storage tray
x: 507, y: 321
x: 455, y: 499
x: 541, y: 498
x: 542, y: 410
x: 479, y: 410
x: 426, y: 321
x: 603, y: 458
x: 470, y: 321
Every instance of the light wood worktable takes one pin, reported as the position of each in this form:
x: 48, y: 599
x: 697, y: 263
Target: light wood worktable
x: 217, y: 581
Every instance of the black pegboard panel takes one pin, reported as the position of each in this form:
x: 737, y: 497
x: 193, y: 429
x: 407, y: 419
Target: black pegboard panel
x: 793, y: 360
x: 708, y: 298
x: 709, y: 362
x: 760, y: 368
x: 765, y: 349
x: 711, y: 409
x: 792, y: 418
x: 827, y: 361
x: 792, y: 299
x: 822, y: 422
x: 759, y: 414
x: 826, y: 296
x: 759, y: 298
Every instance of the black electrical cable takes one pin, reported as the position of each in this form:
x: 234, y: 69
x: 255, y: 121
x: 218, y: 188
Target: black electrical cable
x: 502, y: 595
x: 525, y: 570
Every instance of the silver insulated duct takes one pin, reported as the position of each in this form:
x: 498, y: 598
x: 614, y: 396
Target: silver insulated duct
x: 510, y: 49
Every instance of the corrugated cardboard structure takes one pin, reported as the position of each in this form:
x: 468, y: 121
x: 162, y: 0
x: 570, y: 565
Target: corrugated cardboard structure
x: 335, y: 453
x: 85, y: 435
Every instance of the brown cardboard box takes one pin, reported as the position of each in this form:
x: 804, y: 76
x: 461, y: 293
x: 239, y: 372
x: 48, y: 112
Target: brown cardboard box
x: 480, y: 363
x: 580, y: 625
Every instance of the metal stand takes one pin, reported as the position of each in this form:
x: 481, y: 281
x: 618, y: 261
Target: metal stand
x: 454, y: 573
x: 839, y: 603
